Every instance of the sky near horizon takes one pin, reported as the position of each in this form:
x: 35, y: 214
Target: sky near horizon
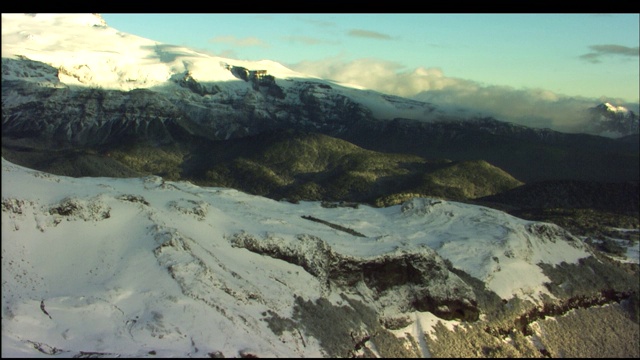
x: 574, y: 55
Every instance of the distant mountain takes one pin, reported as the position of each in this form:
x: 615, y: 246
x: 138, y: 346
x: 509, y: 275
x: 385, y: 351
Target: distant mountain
x: 614, y: 121
x: 526, y: 153
x: 87, y: 86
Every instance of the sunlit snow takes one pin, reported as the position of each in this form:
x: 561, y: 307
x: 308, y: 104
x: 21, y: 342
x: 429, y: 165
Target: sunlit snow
x: 88, y: 53
x: 110, y: 284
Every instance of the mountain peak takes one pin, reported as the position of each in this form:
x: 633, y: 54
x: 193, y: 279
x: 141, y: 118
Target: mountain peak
x: 614, y: 121
x: 615, y: 109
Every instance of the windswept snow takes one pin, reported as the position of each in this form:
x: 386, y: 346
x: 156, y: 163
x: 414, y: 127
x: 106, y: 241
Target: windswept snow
x: 125, y: 264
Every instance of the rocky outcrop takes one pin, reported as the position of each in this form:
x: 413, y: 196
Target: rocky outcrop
x: 240, y: 72
x: 86, y: 117
x: 92, y: 209
x: 187, y: 81
x: 404, y: 281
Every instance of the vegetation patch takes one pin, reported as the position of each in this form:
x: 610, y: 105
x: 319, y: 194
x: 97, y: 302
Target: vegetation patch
x: 472, y: 341
x: 92, y: 210
x: 134, y: 198
x: 147, y: 159
x: 610, y: 334
x: 308, y: 166
x: 589, y: 277
x: 348, y: 330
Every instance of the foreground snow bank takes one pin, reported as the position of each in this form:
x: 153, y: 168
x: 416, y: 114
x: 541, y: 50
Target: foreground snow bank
x: 130, y: 266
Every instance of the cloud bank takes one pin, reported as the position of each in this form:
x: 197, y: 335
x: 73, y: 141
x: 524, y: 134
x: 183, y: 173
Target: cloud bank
x: 609, y: 50
x: 380, y: 75
x: 530, y: 107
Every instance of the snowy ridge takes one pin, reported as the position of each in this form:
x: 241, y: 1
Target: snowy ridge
x: 616, y: 109
x: 170, y: 266
x: 87, y: 53
x: 90, y: 53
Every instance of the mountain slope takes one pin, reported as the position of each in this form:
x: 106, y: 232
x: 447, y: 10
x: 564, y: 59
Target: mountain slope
x: 282, y: 164
x: 69, y: 88
x: 139, y: 267
x: 596, y: 211
x: 527, y: 154
x: 310, y: 166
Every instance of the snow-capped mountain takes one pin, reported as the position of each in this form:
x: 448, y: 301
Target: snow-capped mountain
x: 614, y: 121
x: 138, y: 267
x: 71, y: 81
x: 51, y: 63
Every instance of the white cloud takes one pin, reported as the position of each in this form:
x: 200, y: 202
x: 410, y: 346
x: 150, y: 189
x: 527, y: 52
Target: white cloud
x: 380, y: 75
x: 531, y: 107
x: 609, y: 50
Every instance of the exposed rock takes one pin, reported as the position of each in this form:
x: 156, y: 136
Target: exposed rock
x: 134, y: 198
x: 405, y: 281
x: 240, y: 72
x: 197, y: 208
x: 91, y: 210
x: 187, y: 81
x: 15, y: 206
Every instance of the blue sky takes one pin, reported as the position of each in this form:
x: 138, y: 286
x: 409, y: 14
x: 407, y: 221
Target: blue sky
x: 575, y: 55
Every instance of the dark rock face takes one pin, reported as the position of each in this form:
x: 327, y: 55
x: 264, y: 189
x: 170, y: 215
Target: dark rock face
x: 413, y: 281
x: 187, y: 81
x: 75, y: 116
x: 423, y: 274
x: 240, y: 72
x: 260, y: 81
x: 87, y: 117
